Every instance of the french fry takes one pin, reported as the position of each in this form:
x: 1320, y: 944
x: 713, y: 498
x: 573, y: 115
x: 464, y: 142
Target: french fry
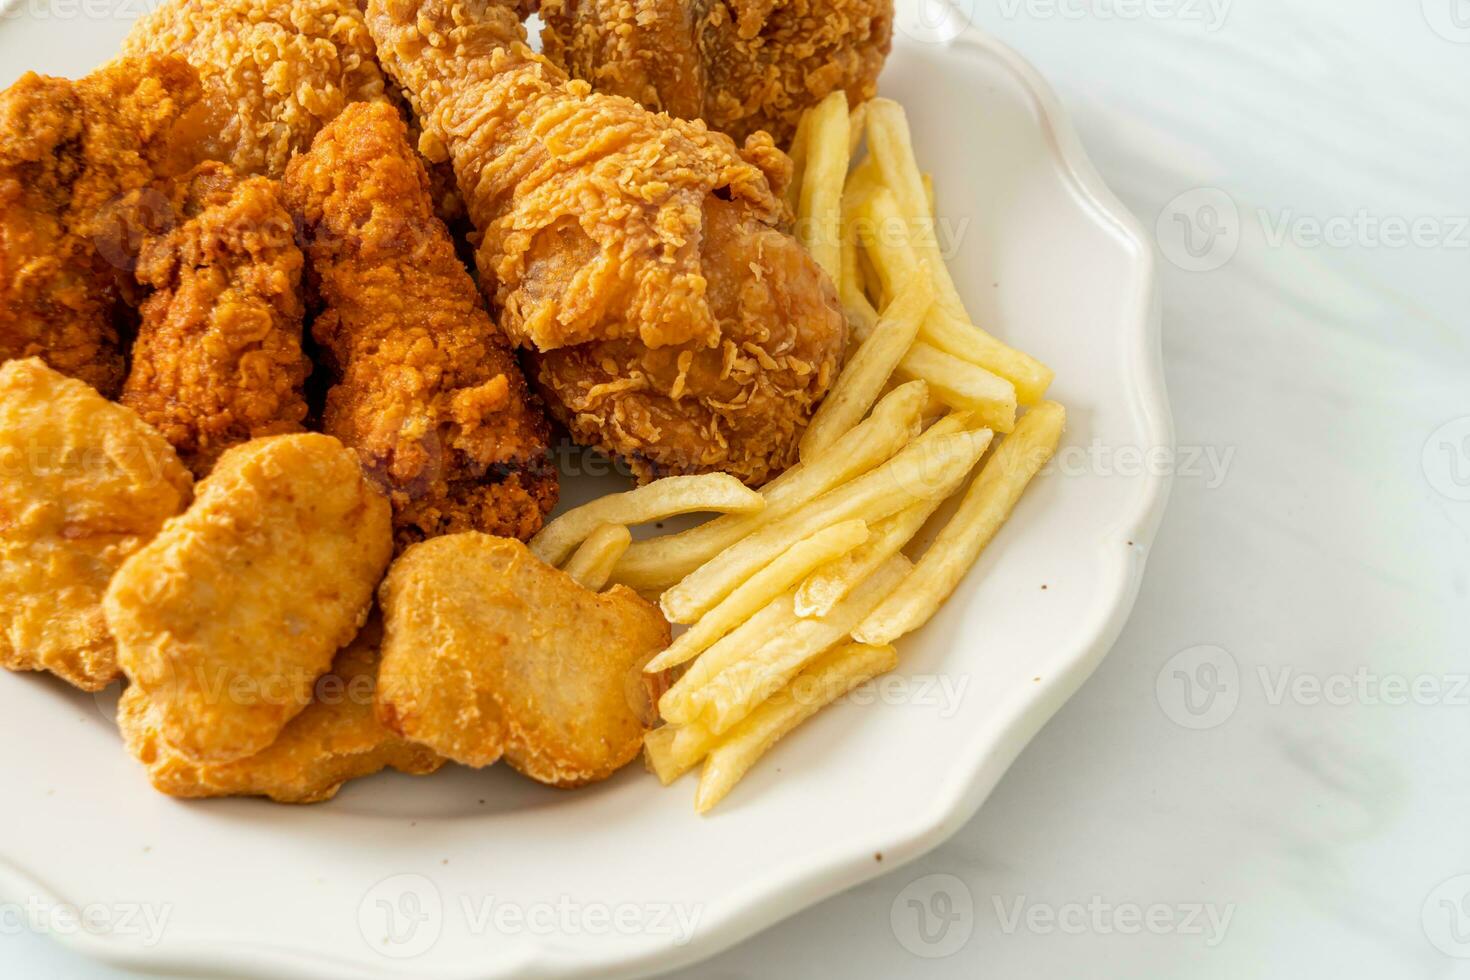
x: 592, y: 563
x: 868, y: 370
x: 658, y: 754
x: 819, y: 216
x: 961, y: 384
x: 739, y: 688
x: 861, y: 316
x: 831, y: 583
x: 962, y: 339
x: 985, y: 507
x: 929, y: 195
x: 798, y: 153
x: 654, y: 501
x: 857, y: 124
x: 787, y: 570
x: 673, y: 750
x: 824, y: 680
x: 657, y: 563
x: 918, y: 472
x: 676, y: 705
x: 892, y: 147
x: 888, y: 236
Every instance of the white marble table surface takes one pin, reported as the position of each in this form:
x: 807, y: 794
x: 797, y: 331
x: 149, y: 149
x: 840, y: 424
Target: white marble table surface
x: 1268, y: 776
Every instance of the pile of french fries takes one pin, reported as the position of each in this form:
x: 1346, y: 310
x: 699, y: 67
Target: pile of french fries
x: 795, y: 594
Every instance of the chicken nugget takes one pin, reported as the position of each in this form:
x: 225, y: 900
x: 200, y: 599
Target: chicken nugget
x: 488, y: 651
x: 84, y: 483
x: 228, y: 617
x: 335, y: 739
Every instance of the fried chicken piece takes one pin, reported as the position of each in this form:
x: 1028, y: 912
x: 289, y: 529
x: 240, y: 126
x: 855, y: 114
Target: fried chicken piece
x: 225, y: 620
x: 277, y: 71
x: 427, y: 391
x: 741, y: 66
x: 639, y: 254
x: 69, y: 153
x: 335, y: 739
x: 280, y: 69
x: 84, y: 483
x: 489, y: 652
x: 218, y: 357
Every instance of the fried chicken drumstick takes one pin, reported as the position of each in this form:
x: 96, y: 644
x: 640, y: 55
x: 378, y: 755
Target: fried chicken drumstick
x: 638, y: 256
x: 740, y: 66
x: 70, y: 151
x: 427, y: 391
x: 218, y: 357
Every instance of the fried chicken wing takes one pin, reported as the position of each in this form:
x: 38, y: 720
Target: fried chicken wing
x: 226, y: 619
x: 218, y: 357
x: 69, y: 153
x: 277, y: 71
x: 336, y: 738
x: 487, y: 651
x: 741, y: 66
x: 427, y: 391
x: 639, y: 255
x: 84, y: 483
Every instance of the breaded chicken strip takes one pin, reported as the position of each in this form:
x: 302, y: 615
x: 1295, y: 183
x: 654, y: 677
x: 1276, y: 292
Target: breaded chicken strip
x: 84, y: 483
x: 426, y: 390
x: 218, y: 357
x: 638, y: 254
x: 488, y: 651
x: 335, y: 739
x: 740, y: 65
x: 69, y: 153
x: 227, y: 618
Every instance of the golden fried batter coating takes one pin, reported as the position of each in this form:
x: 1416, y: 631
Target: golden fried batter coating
x: 218, y: 357
x: 84, y: 483
x: 69, y: 153
x: 280, y: 70
x: 487, y: 651
x: 601, y: 225
x: 227, y: 618
x: 427, y: 391
x: 740, y: 65
x: 335, y: 739
x: 277, y: 71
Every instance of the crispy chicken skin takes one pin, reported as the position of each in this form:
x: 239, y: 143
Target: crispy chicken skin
x: 278, y: 70
x: 426, y: 389
x: 84, y: 483
x: 336, y: 738
x: 218, y: 358
x: 740, y: 65
x: 226, y: 619
x: 638, y: 255
x: 489, y: 652
x: 69, y: 152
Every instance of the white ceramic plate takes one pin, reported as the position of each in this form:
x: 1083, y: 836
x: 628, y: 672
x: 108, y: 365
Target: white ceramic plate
x: 484, y: 874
